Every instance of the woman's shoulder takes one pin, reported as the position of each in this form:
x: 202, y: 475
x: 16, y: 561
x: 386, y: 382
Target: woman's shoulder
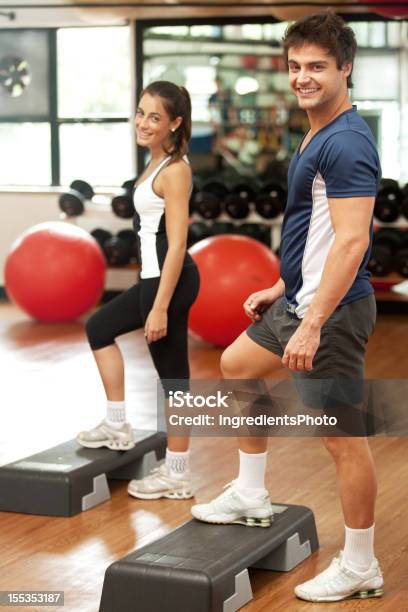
x: 178, y: 169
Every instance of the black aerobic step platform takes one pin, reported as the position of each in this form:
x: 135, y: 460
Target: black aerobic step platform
x: 68, y: 478
x: 204, y: 568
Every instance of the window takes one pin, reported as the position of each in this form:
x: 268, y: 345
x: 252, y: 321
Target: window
x: 100, y: 153
x: 58, y: 123
x: 25, y: 153
x: 367, y: 66
x: 101, y: 88
x: 25, y: 136
x: 95, y: 137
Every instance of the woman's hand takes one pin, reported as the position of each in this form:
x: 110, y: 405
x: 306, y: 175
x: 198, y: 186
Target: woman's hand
x: 156, y: 325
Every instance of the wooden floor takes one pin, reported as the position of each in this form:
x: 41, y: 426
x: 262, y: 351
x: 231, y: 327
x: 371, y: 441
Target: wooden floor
x: 50, y: 390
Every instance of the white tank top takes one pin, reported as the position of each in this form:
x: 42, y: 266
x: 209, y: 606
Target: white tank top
x: 149, y: 224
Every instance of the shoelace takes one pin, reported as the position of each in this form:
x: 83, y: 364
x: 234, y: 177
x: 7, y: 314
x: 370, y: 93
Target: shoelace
x: 224, y: 501
x: 340, y: 579
x: 104, y: 427
x: 153, y: 473
x: 340, y: 582
x: 160, y: 473
x: 327, y: 573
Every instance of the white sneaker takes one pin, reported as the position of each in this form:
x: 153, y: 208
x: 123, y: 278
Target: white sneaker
x: 160, y: 483
x: 232, y: 507
x: 104, y: 435
x: 339, y: 582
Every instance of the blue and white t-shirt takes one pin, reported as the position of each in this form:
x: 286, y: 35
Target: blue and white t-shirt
x: 340, y: 161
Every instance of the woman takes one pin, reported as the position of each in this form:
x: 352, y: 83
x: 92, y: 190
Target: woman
x: 168, y: 286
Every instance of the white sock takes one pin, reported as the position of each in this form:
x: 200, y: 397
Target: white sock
x: 251, y: 476
x: 358, y: 552
x: 115, y: 414
x: 177, y: 463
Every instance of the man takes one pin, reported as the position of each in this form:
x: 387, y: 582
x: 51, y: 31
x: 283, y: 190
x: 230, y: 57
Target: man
x: 222, y: 116
x: 317, y: 319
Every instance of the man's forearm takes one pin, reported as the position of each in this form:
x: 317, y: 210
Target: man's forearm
x: 339, y: 273
x: 279, y: 287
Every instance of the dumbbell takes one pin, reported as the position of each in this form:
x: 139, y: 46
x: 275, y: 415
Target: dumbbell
x: 101, y: 236
x: 389, y: 183
x: 244, y: 187
x: 197, y: 184
x: 197, y: 231
x: 238, y: 201
x: 72, y: 203
x: 129, y: 237
x: 404, y: 201
x: 115, y: 248
x: 237, y: 205
x: 215, y: 186
x: 130, y: 185
x: 122, y: 202
x: 386, y: 243
x: 117, y: 251
x: 271, y: 200
x: 401, y: 255
x: 389, y: 237
x: 380, y: 262
x: 388, y: 201
x: 206, y: 204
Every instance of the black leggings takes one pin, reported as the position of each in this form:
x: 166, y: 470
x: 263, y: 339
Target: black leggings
x: 129, y: 310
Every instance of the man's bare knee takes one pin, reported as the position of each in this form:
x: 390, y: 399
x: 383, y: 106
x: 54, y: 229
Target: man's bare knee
x: 230, y: 364
x: 340, y: 447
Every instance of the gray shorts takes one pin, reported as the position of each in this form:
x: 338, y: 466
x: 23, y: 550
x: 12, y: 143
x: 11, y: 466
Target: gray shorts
x: 343, y: 340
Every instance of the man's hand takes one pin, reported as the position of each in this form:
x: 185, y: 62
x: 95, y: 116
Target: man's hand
x: 301, y: 348
x: 259, y: 301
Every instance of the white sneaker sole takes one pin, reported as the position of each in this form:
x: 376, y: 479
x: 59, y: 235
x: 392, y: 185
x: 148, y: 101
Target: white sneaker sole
x: 184, y: 494
x: 111, y: 444
x: 357, y: 595
x: 247, y: 521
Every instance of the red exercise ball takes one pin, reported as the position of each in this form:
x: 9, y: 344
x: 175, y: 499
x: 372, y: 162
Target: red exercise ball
x: 55, y: 272
x: 231, y: 268
x: 389, y: 9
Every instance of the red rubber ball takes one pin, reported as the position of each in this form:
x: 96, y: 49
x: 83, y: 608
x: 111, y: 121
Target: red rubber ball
x: 231, y: 268
x: 55, y: 272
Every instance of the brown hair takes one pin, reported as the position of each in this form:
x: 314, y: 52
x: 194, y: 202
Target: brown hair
x: 327, y: 30
x: 177, y: 103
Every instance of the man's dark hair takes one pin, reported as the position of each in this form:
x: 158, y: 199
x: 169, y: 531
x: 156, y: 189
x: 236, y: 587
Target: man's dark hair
x: 326, y: 30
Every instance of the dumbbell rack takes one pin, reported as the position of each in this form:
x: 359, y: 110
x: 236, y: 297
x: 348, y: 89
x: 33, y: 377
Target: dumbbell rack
x: 390, y: 217
x: 100, y: 214
x: 274, y: 224
x: 119, y: 278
